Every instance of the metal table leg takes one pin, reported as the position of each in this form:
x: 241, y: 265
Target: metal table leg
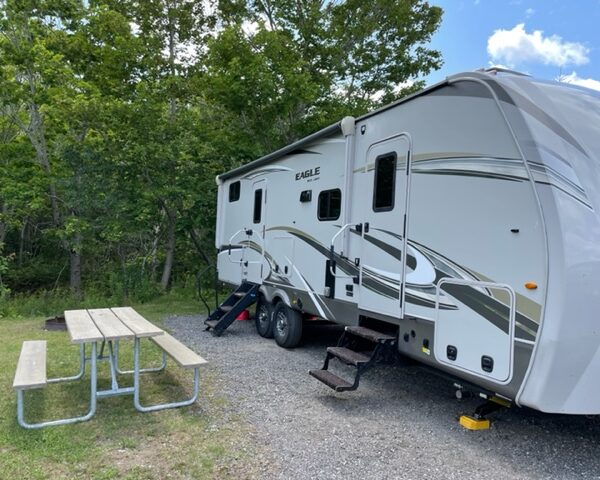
x: 161, y: 367
x: 115, y: 389
x: 162, y: 406
x: 82, y: 362
x: 66, y: 421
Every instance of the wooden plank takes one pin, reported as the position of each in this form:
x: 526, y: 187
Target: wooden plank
x: 185, y: 357
x: 81, y: 327
x: 31, y: 368
x: 136, y: 323
x: 109, y: 324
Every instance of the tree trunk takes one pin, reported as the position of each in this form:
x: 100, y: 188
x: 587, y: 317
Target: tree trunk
x: 170, y: 250
x: 154, y: 252
x: 172, y: 47
x: 75, y: 271
x: 37, y: 135
x: 22, y: 243
x: 3, y: 226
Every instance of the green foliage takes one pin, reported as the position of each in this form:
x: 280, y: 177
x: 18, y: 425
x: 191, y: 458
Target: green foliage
x: 4, y: 290
x: 116, y: 115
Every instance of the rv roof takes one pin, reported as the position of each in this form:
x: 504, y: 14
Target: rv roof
x: 336, y: 127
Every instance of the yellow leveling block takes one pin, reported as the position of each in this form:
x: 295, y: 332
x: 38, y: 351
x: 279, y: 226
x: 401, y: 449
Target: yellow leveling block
x: 471, y: 423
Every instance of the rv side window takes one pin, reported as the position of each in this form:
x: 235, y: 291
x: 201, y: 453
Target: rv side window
x: 257, y: 205
x: 385, y: 182
x: 330, y: 204
x: 234, y: 191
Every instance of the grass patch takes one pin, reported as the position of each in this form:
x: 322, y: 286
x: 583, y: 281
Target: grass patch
x: 205, y: 440
x: 54, y: 303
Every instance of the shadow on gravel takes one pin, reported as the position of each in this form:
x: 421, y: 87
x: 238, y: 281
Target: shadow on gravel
x: 545, y: 445
x: 400, y: 423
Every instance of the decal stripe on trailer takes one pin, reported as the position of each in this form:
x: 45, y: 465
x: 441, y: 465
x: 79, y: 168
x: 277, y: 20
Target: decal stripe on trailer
x: 479, y: 300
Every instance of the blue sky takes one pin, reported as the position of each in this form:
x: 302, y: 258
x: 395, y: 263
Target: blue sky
x: 545, y: 38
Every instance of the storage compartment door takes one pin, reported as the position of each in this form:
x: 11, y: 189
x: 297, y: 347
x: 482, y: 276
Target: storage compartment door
x: 474, y: 330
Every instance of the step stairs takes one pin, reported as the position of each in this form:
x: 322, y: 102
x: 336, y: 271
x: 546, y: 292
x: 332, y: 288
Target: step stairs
x: 218, y: 321
x: 351, y: 351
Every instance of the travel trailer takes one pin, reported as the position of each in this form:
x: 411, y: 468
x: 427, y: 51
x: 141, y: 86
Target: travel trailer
x: 464, y: 218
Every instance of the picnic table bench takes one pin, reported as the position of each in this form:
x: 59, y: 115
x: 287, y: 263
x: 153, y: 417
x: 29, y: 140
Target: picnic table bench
x: 108, y: 326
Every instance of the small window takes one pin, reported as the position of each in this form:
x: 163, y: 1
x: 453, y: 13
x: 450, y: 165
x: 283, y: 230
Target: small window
x: 330, y: 204
x: 234, y: 191
x: 257, y: 205
x: 385, y: 183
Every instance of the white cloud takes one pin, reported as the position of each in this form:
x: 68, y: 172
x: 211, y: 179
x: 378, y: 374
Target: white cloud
x: 135, y: 28
x: 529, y: 12
x: 517, y: 46
x: 407, y: 84
x: 582, y: 82
x: 397, y: 89
x: 250, y: 28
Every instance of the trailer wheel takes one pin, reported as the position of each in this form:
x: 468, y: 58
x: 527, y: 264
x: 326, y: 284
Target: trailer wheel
x: 264, y: 318
x: 287, y: 326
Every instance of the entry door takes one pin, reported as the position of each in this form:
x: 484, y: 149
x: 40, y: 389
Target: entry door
x: 384, y: 198
x: 254, y: 264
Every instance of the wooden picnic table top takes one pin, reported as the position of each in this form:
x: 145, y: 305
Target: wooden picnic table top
x: 136, y: 323
x: 110, y: 325
x: 81, y: 327
x: 119, y: 323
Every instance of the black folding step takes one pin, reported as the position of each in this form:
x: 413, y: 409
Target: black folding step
x: 349, y: 357
x: 372, y: 335
x: 331, y: 380
x: 210, y: 323
x: 350, y: 351
x: 236, y: 303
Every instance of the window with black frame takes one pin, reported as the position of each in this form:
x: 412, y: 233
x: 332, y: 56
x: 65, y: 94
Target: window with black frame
x: 385, y: 182
x: 329, y: 205
x: 257, y: 205
x: 234, y: 191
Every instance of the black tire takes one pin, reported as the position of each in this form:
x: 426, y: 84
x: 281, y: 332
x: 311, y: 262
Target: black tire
x: 263, y: 318
x: 287, y: 326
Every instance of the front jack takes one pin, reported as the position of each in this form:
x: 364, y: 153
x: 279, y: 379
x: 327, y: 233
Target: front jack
x: 477, y: 421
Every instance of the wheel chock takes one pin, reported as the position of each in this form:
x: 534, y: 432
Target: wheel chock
x: 472, y: 423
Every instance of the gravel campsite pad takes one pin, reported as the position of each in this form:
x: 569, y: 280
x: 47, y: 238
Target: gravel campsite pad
x: 400, y: 424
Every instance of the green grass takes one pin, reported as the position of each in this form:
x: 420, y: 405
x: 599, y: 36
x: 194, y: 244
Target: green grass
x: 206, y: 440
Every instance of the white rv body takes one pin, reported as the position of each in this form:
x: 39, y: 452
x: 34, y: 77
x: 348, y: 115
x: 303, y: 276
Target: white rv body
x: 479, y: 238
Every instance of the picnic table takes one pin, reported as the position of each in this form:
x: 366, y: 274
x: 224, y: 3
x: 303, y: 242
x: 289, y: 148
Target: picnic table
x: 107, y: 326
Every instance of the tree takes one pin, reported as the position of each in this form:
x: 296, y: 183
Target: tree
x: 32, y: 72
x: 301, y: 65
x: 116, y: 115
x: 59, y: 70
x: 170, y: 31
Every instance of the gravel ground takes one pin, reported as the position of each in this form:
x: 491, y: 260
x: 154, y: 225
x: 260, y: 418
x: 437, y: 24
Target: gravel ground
x: 400, y: 424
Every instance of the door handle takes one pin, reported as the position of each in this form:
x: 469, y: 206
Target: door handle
x: 362, y: 226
